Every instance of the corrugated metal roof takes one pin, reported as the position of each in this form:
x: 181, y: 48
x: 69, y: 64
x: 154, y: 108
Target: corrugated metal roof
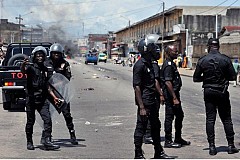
x: 234, y: 37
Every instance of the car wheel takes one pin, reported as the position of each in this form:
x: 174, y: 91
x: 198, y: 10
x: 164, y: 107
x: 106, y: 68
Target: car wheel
x: 86, y: 62
x: 105, y: 61
x: 95, y: 63
x: 17, y: 59
x: 6, y: 105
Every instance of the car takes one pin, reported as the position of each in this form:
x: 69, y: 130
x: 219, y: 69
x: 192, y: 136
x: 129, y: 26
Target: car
x: 102, y: 57
x: 91, y: 58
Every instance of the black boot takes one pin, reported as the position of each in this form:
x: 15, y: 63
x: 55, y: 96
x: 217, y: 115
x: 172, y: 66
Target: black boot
x: 30, y: 146
x: 232, y: 149
x: 182, y: 141
x: 29, y: 142
x: 49, y: 145
x: 212, y: 149
x: 139, y: 153
x: 159, y: 153
x: 171, y: 144
x: 73, y: 137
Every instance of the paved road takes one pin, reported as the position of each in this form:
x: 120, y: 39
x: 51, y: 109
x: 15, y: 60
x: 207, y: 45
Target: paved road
x: 105, y: 115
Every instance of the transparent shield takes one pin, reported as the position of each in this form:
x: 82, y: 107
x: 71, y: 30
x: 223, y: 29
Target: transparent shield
x: 151, y: 38
x: 64, y: 89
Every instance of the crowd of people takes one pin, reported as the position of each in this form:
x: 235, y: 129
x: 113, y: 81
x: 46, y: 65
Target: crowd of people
x: 154, y: 86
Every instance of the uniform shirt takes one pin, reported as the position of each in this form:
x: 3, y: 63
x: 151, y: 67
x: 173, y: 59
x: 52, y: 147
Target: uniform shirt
x: 143, y: 76
x: 37, y: 78
x: 215, y: 70
x: 62, y: 67
x: 170, y: 73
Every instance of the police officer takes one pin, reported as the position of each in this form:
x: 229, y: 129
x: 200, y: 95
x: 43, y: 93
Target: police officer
x: 145, y: 96
x: 37, y: 91
x: 61, y: 66
x: 215, y: 70
x: 171, y: 89
x: 159, y: 97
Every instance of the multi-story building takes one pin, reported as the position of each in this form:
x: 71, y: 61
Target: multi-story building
x: 9, y: 32
x: 32, y: 34
x: 188, y: 27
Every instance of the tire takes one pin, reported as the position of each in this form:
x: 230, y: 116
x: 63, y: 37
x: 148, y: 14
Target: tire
x: 86, y: 62
x: 95, y: 63
x: 17, y: 59
x: 105, y: 61
x: 6, y: 105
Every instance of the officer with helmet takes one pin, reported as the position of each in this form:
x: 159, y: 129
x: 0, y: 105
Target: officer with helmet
x: 145, y: 97
x: 173, y: 109
x: 37, y: 91
x: 215, y: 70
x: 61, y: 66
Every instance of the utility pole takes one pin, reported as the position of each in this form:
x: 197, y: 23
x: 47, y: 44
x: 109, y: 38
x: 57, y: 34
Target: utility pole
x: 1, y: 20
x: 216, y: 25
x: 19, y: 23
x: 163, y: 27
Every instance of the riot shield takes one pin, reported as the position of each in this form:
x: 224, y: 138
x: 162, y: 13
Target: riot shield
x: 63, y: 89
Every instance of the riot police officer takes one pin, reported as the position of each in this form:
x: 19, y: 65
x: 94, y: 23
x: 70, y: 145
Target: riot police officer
x: 61, y: 66
x: 37, y: 92
x: 215, y: 70
x: 171, y: 89
x: 145, y: 97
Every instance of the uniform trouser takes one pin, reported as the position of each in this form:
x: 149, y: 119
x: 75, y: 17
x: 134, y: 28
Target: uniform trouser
x: 148, y: 131
x: 141, y: 126
x: 217, y: 101
x: 172, y: 112
x: 68, y: 118
x: 43, y: 110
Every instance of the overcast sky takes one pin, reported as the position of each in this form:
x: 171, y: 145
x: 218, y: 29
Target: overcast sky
x: 81, y: 17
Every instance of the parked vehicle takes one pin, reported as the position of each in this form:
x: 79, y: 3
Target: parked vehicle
x: 102, y: 57
x: 91, y: 58
x: 12, y: 80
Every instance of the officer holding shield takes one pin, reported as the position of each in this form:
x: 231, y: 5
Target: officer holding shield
x: 61, y: 66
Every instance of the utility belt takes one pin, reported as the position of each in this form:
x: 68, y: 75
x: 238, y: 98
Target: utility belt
x: 218, y: 89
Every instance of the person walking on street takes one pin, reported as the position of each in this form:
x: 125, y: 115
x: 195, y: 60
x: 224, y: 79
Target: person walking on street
x: 145, y: 98
x: 61, y: 66
x: 37, y: 92
x: 215, y: 70
x: 171, y: 89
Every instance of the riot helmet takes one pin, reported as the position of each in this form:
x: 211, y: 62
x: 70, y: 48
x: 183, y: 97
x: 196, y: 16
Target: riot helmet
x: 38, y: 50
x: 148, y: 46
x: 56, y: 48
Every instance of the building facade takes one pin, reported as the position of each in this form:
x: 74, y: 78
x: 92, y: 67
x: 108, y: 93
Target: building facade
x: 188, y: 27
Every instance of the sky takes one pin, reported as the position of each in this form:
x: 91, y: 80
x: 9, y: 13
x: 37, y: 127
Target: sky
x: 78, y: 18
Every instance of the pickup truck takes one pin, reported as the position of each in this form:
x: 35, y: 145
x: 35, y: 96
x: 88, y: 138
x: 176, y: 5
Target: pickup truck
x: 12, y: 81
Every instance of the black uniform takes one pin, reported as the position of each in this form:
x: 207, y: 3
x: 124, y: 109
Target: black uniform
x: 215, y: 70
x: 170, y: 73
x: 37, y: 92
x: 63, y: 67
x: 143, y: 76
x: 157, y: 73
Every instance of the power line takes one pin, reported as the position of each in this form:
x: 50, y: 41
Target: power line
x: 228, y: 6
x: 212, y: 8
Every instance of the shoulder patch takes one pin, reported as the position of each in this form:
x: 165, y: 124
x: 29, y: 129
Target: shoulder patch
x: 169, y: 63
